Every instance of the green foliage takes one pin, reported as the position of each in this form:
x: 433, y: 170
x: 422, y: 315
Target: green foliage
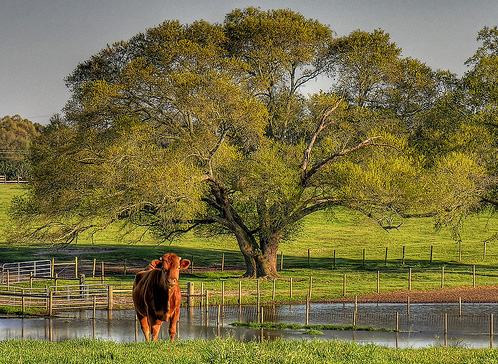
x: 16, y: 135
x: 365, y: 63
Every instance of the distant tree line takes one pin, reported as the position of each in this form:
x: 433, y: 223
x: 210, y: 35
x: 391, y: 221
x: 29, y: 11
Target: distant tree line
x: 16, y: 136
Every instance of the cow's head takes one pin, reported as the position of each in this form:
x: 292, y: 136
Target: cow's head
x: 172, y: 264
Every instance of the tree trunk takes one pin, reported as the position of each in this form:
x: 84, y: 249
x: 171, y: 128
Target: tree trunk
x: 261, y: 262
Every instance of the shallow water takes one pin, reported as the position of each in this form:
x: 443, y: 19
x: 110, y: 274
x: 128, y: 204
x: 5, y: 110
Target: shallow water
x: 424, y: 325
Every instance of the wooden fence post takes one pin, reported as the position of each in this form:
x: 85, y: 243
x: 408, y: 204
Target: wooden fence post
x: 409, y: 279
x: 222, y: 262
x: 102, y: 275
x: 202, y: 294
x: 190, y: 294
x: 94, y: 267
x: 344, y: 286
x: 311, y: 286
x: 491, y: 326
x: 110, y: 298
x: 445, y: 323
x: 307, y: 310
x: 76, y: 267
x: 22, y: 301
x: 223, y: 293
x: 474, y: 276
x: 274, y: 289
x: 218, y: 316
x: 290, y: 288
x: 258, y: 294
x: 240, y: 292
x: 403, y: 259
x: 50, y: 303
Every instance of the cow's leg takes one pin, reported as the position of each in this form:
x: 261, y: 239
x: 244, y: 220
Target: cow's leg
x: 144, y: 323
x: 156, y: 326
x: 172, y: 323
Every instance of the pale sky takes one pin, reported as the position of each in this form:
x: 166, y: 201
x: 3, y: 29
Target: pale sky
x: 42, y: 41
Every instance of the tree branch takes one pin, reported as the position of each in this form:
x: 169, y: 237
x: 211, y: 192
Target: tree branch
x: 323, y: 124
x: 306, y: 175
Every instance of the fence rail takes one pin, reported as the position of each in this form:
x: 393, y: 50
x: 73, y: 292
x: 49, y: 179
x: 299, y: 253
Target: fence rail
x: 52, y: 298
x: 3, y: 179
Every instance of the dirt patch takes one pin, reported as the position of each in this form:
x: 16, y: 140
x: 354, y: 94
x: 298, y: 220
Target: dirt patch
x: 487, y: 294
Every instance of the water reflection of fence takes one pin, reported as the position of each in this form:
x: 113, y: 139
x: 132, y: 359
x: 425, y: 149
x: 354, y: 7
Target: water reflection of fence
x: 438, y: 320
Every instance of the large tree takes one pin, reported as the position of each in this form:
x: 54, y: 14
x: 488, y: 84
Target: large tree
x: 202, y: 127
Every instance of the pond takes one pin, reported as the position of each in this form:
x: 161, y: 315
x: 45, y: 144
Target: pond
x: 423, y: 326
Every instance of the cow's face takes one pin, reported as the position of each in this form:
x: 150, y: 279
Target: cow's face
x: 172, y: 263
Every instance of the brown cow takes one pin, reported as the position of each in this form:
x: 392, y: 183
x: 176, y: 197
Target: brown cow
x: 157, y: 296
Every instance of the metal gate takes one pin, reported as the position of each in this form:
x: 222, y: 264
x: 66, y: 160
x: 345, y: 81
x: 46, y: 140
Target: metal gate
x: 22, y: 271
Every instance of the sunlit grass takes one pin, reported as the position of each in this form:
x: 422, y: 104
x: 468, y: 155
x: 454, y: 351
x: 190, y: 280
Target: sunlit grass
x: 232, y: 351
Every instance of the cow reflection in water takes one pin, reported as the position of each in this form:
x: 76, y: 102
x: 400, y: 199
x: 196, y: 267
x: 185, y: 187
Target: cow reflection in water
x: 157, y: 296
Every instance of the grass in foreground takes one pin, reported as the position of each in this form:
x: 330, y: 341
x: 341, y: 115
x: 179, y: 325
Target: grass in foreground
x: 231, y: 351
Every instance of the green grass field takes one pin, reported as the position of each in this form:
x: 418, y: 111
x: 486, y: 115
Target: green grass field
x: 232, y: 351
x: 351, y: 235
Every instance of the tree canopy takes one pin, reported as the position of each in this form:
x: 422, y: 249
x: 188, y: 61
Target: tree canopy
x: 203, y: 127
x: 16, y: 135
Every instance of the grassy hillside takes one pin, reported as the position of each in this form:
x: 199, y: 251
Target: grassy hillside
x: 346, y: 232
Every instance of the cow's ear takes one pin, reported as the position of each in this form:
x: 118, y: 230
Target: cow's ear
x: 184, y: 264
